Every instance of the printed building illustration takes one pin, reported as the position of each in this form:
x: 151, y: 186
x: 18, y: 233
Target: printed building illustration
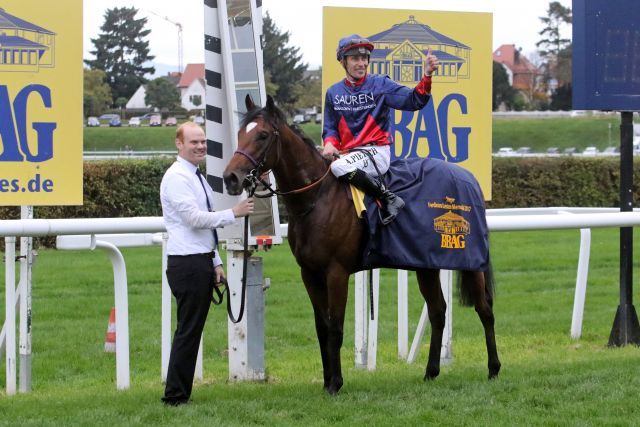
x: 401, y: 53
x: 451, y: 223
x: 24, y: 46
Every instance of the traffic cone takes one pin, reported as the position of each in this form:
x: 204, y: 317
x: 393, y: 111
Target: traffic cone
x: 110, y: 339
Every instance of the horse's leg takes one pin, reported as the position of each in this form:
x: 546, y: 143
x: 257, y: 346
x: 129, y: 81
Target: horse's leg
x: 338, y: 289
x: 474, y: 282
x: 316, y: 286
x: 429, y: 283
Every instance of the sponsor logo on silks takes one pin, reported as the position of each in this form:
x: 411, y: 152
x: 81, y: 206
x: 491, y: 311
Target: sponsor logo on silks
x: 452, y: 227
x: 25, y: 46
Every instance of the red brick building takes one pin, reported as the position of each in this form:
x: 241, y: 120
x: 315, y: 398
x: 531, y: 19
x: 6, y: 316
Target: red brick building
x: 522, y: 73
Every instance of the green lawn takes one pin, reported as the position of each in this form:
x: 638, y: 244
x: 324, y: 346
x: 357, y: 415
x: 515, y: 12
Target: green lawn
x: 547, y: 378
x: 539, y: 134
x: 125, y: 138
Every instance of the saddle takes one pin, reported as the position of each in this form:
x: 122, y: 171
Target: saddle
x: 443, y: 223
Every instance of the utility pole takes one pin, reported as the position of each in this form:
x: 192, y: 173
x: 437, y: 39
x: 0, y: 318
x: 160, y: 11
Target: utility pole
x: 179, y: 25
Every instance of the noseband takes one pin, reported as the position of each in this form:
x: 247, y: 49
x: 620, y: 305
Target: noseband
x: 253, y: 177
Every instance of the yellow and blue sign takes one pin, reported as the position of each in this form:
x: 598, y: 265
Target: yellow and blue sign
x: 41, y: 102
x: 456, y: 124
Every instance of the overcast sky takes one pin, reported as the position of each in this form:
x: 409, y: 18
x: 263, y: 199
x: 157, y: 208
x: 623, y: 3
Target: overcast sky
x: 514, y: 22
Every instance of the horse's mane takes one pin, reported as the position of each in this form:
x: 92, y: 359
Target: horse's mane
x: 277, y: 119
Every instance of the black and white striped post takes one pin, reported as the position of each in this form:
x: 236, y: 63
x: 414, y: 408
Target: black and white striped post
x: 246, y: 338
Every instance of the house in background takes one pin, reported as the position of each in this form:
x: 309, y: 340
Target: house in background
x: 136, y: 102
x: 192, y: 87
x: 190, y: 83
x: 523, y: 75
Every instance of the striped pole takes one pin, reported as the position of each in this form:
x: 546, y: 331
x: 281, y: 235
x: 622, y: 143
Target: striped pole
x: 220, y: 128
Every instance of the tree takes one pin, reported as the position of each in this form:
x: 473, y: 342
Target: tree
x: 283, y: 64
x: 311, y: 94
x: 503, y: 92
x: 162, y: 94
x: 561, y: 98
x: 121, y: 102
x: 552, y: 44
x: 97, y: 94
x: 121, y: 51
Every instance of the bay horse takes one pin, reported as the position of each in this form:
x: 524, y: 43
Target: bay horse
x: 326, y: 236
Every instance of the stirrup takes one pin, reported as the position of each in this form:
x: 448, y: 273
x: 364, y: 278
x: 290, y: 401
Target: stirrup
x: 387, y: 217
x: 390, y: 215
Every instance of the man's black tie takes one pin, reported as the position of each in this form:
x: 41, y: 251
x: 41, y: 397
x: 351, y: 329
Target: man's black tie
x: 215, y: 232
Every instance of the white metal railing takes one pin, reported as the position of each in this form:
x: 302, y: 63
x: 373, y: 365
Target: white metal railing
x: 498, y: 220
x: 125, y: 154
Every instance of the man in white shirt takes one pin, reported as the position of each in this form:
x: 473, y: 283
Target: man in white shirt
x: 193, y: 264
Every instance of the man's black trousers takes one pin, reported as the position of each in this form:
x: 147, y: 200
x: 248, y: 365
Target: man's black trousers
x: 191, y: 281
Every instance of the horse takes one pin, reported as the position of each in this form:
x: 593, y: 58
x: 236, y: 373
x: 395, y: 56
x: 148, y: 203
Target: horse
x: 326, y: 236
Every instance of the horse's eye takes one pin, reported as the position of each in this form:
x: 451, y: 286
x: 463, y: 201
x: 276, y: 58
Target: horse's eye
x: 263, y: 135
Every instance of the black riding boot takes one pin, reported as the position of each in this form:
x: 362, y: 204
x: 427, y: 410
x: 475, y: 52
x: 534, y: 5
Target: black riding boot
x: 371, y: 186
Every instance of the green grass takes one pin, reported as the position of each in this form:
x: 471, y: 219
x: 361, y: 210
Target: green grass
x: 149, y: 138
x: 125, y: 138
x: 539, y: 134
x: 547, y: 378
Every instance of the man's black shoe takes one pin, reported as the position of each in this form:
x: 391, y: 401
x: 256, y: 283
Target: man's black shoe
x: 170, y: 401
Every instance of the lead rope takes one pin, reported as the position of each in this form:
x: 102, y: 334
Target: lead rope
x: 244, y: 277
x: 244, y: 271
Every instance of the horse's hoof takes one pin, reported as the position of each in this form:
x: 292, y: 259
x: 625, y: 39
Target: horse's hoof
x: 331, y: 391
x: 431, y: 374
x: 333, y: 387
x: 494, y: 370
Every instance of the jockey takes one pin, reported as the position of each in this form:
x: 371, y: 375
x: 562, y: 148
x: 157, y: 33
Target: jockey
x: 357, y: 120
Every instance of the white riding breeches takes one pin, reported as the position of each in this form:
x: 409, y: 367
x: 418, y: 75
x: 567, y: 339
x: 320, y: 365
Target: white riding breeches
x: 359, y: 160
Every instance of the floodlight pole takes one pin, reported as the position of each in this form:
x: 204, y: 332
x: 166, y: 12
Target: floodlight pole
x: 625, y: 325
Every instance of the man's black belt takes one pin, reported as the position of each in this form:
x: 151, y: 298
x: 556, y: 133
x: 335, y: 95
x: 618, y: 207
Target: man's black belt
x: 211, y: 255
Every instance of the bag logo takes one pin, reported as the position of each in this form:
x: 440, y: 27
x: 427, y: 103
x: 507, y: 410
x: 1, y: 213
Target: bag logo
x: 451, y: 226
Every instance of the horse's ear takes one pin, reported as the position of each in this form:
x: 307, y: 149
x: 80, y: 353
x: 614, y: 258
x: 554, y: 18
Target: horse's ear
x: 271, y: 105
x: 248, y: 102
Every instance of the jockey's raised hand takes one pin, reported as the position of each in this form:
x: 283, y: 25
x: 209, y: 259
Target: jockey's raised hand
x: 432, y: 63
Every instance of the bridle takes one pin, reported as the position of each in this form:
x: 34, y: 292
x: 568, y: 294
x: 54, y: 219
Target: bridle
x: 254, y: 177
x: 250, y: 184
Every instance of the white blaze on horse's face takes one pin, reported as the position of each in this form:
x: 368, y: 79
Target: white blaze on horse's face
x: 250, y: 126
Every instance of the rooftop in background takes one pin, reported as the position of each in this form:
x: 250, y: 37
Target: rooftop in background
x: 522, y: 71
x: 191, y: 72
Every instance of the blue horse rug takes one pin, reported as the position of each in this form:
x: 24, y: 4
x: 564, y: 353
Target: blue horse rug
x: 442, y: 225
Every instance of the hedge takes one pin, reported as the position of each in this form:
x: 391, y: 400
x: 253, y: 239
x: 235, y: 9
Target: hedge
x: 126, y: 188
x: 564, y: 181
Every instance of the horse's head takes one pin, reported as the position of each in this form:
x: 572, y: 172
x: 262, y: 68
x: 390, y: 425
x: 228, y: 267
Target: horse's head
x: 258, y: 145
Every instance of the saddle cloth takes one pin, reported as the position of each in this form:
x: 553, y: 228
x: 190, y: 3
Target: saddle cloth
x: 442, y: 225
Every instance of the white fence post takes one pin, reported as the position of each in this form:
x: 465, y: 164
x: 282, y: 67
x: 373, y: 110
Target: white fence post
x: 361, y: 319
x: 165, y: 335
x: 372, y: 350
x: 403, y: 314
x: 10, y: 313
x: 26, y: 262
x: 446, y: 282
x: 581, y: 283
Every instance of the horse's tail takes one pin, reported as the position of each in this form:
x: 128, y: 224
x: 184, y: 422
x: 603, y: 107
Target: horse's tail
x: 465, y: 284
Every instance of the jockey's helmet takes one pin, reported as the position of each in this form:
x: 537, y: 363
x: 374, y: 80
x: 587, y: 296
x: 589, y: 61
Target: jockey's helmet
x: 353, y: 45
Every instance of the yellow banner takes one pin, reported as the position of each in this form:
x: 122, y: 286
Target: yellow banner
x: 41, y: 102
x: 456, y: 124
